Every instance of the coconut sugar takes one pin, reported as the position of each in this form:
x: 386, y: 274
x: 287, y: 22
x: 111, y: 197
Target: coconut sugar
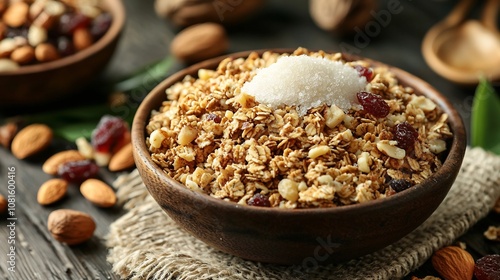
x: 306, y: 82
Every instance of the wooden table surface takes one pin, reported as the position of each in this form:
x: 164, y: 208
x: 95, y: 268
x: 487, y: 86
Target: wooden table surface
x: 146, y: 39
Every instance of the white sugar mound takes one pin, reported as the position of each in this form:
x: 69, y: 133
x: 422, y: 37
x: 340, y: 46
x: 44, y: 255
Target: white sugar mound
x: 306, y: 82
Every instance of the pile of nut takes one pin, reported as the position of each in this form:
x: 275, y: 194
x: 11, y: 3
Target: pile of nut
x: 109, y: 147
x: 37, y: 31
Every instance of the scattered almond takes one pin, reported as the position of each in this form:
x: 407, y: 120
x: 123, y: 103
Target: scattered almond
x: 52, y: 191
x: 51, y: 165
x: 123, y: 159
x: 31, y: 140
x: 199, y: 42
x: 453, y: 262
x: 70, y: 226
x: 3, y: 204
x: 98, y: 192
x: 7, y: 133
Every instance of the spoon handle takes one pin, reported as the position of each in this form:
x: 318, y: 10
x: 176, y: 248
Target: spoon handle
x: 459, y: 12
x: 489, y: 15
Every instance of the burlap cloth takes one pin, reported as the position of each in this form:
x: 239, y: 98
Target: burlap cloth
x: 146, y: 244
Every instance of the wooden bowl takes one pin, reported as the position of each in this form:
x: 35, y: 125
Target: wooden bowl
x: 47, y: 82
x: 299, y: 236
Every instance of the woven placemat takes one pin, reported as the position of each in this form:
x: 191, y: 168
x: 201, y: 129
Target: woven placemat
x: 146, y: 244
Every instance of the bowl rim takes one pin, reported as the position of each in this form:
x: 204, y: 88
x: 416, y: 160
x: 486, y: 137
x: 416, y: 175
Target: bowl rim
x: 452, y: 162
x: 116, y: 9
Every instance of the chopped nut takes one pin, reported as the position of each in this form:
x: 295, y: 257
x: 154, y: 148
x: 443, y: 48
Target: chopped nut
x: 187, y: 135
x: 288, y: 189
x: 334, y: 116
x: 437, y: 146
x: 492, y: 233
x: 156, y: 138
x: 423, y: 103
x: 389, y: 148
x: 364, y: 162
x: 318, y: 151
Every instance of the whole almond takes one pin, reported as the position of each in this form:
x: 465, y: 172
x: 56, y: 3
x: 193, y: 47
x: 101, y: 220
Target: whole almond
x: 52, y: 191
x: 51, y: 165
x: 199, y: 42
x: 98, y: 192
x: 3, y: 204
x: 123, y: 159
x: 16, y: 14
x: 70, y: 226
x: 7, y: 133
x: 453, y: 262
x: 190, y: 12
x: 82, y: 39
x: 46, y: 52
x: 31, y: 140
x: 23, y: 55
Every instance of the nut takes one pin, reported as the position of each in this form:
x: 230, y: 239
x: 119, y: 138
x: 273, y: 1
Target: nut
x: 23, y: 55
x: 46, y: 52
x: 70, y: 226
x: 189, y: 12
x: 7, y: 133
x: 7, y: 46
x: 3, y: 204
x: 98, y: 192
x: 7, y: 65
x: 31, y: 140
x: 318, y: 151
x: 85, y: 148
x: 334, y: 116
x: 52, y: 191
x: 186, y: 135
x: 37, y: 35
x: 16, y: 14
x: 492, y: 233
x: 289, y: 189
x: 390, y: 149
x: 453, y: 262
x: 123, y: 159
x: 199, y: 42
x: 51, y: 165
x: 82, y: 39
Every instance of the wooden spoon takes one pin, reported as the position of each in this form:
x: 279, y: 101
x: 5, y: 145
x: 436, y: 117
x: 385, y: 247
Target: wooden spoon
x: 463, y: 51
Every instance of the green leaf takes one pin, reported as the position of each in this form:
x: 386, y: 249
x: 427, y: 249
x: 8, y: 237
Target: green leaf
x: 485, y: 119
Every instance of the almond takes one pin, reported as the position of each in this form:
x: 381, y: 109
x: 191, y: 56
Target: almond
x: 31, y: 140
x: 123, y: 159
x: 16, y: 14
x: 52, y: 191
x: 82, y: 39
x: 453, y: 262
x: 3, y: 204
x: 51, y: 165
x: 70, y: 226
x: 199, y: 42
x: 7, y: 133
x: 98, y: 192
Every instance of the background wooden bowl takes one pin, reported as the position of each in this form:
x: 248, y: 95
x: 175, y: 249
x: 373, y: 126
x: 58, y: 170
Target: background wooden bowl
x: 300, y: 236
x: 47, y: 82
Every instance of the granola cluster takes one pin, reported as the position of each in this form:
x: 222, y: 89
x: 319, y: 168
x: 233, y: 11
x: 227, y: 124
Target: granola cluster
x: 216, y: 139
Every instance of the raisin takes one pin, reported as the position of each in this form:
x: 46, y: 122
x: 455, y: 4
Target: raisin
x: 69, y: 22
x: 78, y: 171
x: 65, y: 46
x: 100, y: 25
x: 364, y: 72
x: 405, y: 135
x: 108, y: 133
x: 487, y: 268
x: 213, y: 117
x: 259, y: 199
x: 399, y: 185
x: 373, y: 104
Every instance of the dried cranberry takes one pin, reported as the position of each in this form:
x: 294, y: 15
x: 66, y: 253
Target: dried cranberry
x: 69, y: 22
x: 259, y: 199
x: 78, y: 171
x: 405, y: 135
x: 487, y: 268
x: 100, y: 25
x: 108, y: 133
x: 364, y: 72
x: 214, y: 117
x: 373, y: 104
x: 399, y: 185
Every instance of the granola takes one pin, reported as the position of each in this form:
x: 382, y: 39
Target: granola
x: 214, y: 138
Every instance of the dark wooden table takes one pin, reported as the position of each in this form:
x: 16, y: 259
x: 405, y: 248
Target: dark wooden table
x: 285, y: 24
